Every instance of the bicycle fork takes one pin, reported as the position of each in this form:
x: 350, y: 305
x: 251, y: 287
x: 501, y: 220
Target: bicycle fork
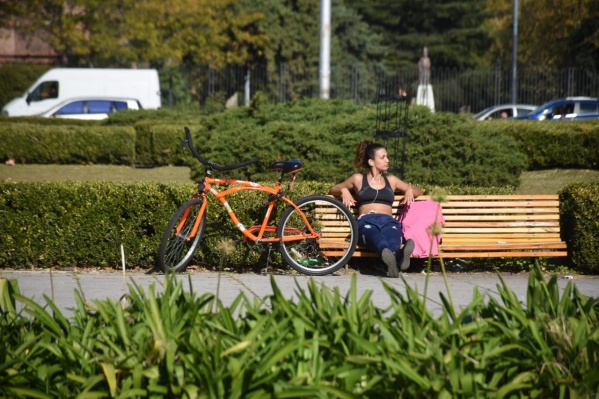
x: 196, y: 224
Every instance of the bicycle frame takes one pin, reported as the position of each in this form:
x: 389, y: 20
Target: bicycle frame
x: 207, y: 186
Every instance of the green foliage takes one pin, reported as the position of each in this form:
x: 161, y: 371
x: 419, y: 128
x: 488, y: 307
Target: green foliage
x: 84, y: 224
x: 450, y: 29
x: 66, y: 224
x: 291, y: 27
x: 16, y: 79
x: 449, y: 149
x: 323, y: 343
x: 127, y: 32
x: 443, y: 148
x: 159, y: 144
x: 8, y: 289
x: 68, y: 144
x: 555, y: 145
x: 571, y: 28
x: 579, y: 207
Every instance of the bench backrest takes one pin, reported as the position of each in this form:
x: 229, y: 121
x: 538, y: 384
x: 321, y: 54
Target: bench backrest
x: 497, y: 225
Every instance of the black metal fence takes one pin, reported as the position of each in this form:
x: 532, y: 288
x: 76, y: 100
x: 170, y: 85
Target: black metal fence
x: 454, y: 90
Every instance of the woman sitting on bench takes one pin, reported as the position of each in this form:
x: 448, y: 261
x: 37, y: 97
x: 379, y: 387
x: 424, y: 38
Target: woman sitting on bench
x: 378, y: 230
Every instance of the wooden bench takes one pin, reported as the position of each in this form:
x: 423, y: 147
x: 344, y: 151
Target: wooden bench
x: 478, y: 226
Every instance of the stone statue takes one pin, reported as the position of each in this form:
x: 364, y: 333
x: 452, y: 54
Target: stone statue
x: 424, y: 96
x: 424, y: 68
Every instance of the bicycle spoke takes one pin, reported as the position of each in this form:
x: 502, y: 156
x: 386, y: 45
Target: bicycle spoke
x: 328, y: 253
x: 178, y: 245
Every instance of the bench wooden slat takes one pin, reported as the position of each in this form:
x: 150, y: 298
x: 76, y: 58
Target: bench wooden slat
x: 503, y: 246
x: 486, y: 254
x: 494, y: 239
x: 502, y: 254
x: 461, y: 217
x: 498, y: 224
x: 508, y: 204
x: 491, y: 230
x: 500, y: 211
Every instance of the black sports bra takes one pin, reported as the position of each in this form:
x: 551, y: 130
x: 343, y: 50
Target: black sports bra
x: 368, y: 195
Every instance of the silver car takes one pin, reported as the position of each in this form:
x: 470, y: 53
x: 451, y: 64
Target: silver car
x: 504, y: 111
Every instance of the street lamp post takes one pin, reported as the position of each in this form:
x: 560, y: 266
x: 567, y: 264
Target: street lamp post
x: 515, y: 54
x: 325, y: 48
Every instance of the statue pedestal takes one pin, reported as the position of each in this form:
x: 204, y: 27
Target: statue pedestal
x: 424, y: 96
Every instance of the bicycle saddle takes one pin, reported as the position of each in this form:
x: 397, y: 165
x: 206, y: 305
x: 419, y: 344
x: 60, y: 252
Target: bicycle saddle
x: 290, y: 166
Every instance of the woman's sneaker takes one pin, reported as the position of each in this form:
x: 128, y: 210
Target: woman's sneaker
x: 403, y: 255
x: 389, y: 258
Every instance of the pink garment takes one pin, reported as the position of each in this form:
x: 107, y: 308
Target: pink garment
x: 417, y: 220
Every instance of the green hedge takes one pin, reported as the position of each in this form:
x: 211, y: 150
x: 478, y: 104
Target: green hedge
x: 67, y: 144
x: 442, y: 148
x: 579, y: 219
x: 84, y: 224
x: 547, y: 145
x: 159, y: 144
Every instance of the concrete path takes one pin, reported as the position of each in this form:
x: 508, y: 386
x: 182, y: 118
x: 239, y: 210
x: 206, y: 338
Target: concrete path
x: 61, y: 285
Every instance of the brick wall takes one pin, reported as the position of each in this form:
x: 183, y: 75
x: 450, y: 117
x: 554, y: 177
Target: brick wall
x: 16, y: 47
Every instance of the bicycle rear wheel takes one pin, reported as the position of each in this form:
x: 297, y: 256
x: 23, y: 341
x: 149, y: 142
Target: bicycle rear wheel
x: 178, y: 246
x: 338, y: 229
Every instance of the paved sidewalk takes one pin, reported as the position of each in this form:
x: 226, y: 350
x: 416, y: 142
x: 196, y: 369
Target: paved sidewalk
x: 61, y: 285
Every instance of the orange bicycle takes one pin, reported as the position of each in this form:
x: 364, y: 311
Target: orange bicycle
x: 311, y: 233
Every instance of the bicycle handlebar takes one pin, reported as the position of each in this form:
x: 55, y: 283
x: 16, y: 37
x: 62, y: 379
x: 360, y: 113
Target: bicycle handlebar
x: 221, y: 168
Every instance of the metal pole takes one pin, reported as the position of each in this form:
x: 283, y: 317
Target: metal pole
x: 246, y: 88
x: 515, y: 54
x: 325, y: 48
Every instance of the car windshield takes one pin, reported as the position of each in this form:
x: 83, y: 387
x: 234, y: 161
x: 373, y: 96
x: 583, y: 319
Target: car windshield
x: 539, y: 109
x: 481, y: 113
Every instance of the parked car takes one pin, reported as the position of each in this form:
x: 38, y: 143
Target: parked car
x: 569, y: 108
x: 58, y: 85
x: 504, y: 111
x: 90, y: 108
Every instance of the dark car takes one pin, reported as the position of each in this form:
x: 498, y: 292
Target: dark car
x: 569, y: 108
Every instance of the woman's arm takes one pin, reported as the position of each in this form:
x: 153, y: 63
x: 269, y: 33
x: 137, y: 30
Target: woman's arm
x: 409, y: 192
x: 344, y: 190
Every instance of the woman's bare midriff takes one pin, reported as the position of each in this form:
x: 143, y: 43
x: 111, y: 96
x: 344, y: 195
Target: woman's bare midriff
x: 376, y: 208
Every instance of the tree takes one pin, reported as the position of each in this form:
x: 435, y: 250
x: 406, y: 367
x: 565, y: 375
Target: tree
x: 292, y: 29
x: 450, y: 29
x: 551, y: 33
x: 128, y: 32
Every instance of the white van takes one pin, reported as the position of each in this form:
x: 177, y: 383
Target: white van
x: 61, y: 84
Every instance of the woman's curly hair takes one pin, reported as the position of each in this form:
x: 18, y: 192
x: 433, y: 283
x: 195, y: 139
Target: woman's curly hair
x: 364, y: 152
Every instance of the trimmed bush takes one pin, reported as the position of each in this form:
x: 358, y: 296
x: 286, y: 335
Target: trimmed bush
x: 556, y: 144
x: 579, y: 210
x: 83, y: 224
x: 442, y: 148
x: 67, y: 144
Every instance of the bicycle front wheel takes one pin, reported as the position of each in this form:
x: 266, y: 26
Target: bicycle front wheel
x: 179, y: 241
x: 330, y: 218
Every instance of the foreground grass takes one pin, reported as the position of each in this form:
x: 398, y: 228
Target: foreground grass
x: 536, y: 182
x: 172, y: 342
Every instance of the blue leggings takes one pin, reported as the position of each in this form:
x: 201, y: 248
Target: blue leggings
x: 378, y: 231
